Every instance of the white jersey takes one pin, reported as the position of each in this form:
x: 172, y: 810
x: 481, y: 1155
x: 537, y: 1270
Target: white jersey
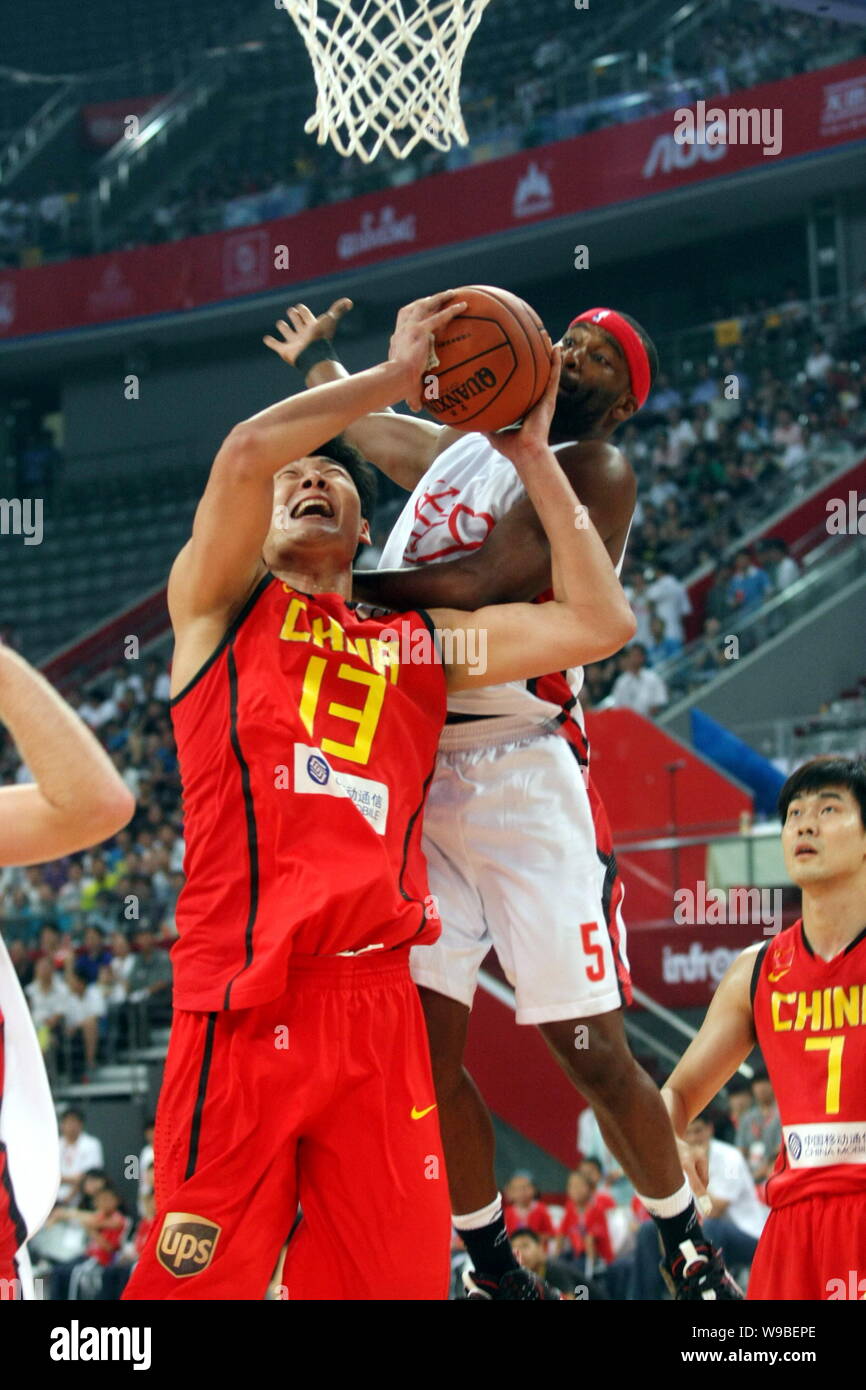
x: 28, y: 1126
x: 455, y: 506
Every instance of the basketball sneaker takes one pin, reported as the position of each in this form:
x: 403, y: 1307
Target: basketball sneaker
x: 513, y: 1285
x: 698, y: 1272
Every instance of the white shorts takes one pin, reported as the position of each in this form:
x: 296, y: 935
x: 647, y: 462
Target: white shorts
x: 516, y: 861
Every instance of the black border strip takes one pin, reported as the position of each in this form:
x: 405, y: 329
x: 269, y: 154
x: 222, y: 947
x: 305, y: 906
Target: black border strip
x: 252, y: 832
x: 204, y: 1075
x: 226, y: 639
x: 756, y: 975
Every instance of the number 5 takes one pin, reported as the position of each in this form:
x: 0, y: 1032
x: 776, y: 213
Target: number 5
x: 595, y: 971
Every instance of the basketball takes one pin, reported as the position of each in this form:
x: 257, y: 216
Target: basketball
x: 493, y: 362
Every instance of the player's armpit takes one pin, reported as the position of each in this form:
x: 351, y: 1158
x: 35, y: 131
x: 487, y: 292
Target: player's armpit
x: 724, y: 1041
x: 516, y: 641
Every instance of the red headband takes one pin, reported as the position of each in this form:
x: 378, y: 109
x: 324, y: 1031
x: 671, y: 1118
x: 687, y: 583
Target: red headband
x: 633, y: 349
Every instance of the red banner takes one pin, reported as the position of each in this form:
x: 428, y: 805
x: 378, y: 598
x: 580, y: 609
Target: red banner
x: 814, y: 112
x: 103, y: 123
x: 680, y: 967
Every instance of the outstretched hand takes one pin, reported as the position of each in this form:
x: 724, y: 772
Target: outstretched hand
x: 303, y: 328
x: 412, y: 342
x: 525, y: 443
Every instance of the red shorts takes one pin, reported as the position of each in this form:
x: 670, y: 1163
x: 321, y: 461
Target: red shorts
x: 812, y: 1250
x: 324, y: 1097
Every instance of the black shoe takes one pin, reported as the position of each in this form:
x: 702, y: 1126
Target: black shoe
x: 698, y: 1272
x: 514, y: 1284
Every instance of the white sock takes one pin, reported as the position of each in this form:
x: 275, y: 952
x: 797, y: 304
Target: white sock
x: 474, y: 1220
x: 668, y: 1206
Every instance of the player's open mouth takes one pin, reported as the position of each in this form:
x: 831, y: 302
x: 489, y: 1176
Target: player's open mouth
x: 803, y: 850
x: 312, y: 506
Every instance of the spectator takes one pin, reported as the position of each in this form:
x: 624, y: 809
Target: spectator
x: 735, y: 1221
x: 641, y: 606
x: 105, y: 1227
x: 583, y: 1230
x: 145, y: 1163
x: 638, y: 688
x: 718, y: 604
x: 761, y: 1123
x: 523, y: 1207
x: 150, y: 975
x: 661, y: 648
x: 781, y: 567
x: 531, y: 1253
x: 93, y: 955
x: 21, y: 962
x: 79, y: 1152
x: 84, y: 1008
x: 748, y: 585
x: 116, y: 1275
x: 663, y: 396
x: 48, y: 997
x: 705, y: 389
x: 671, y: 600
x: 819, y: 362
x: 710, y: 655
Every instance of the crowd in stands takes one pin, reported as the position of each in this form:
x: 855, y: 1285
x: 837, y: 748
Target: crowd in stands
x: 89, y: 934
x: 560, y: 95
x: 89, y: 1245
x: 596, y: 1241
x: 717, y: 452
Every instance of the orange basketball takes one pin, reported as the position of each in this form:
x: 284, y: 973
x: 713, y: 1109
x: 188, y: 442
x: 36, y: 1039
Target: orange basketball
x: 494, y: 362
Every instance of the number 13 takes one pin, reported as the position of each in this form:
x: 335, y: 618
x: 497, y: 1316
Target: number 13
x: 366, y: 718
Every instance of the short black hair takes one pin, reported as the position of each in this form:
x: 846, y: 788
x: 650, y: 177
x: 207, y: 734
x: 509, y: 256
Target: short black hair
x: 359, y: 469
x: 591, y: 1158
x: 73, y: 1110
x: 826, y: 771
x: 649, y: 345
x: 526, y: 1231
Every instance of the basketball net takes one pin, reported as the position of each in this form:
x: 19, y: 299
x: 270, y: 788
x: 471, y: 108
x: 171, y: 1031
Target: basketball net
x: 387, y: 71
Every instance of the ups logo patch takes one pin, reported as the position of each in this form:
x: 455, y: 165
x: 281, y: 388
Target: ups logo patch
x: 186, y: 1243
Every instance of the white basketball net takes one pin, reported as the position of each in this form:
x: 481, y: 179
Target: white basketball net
x: 387, y: 71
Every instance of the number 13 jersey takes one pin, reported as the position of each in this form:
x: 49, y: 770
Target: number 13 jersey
x: 306, y: 743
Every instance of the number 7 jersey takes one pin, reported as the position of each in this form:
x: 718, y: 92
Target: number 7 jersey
x: 810, y: 1021
x: 307, y: 743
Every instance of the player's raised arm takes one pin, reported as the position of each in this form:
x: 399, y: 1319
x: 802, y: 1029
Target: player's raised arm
x: 589, y: 617
x: 219, y: 566
x: 77, y: 798
x: 403, y: 448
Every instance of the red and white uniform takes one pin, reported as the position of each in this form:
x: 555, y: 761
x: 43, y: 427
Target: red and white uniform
x: 810, y: 1020
x: 298, y: 1067
x: 518, y: 845
x: 29, y: 1151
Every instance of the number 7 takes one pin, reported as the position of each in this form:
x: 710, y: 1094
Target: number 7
x: 833, y: 1046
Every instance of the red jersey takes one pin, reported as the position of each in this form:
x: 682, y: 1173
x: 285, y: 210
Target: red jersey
x: 306, y: 744
x: 577, y: 1224
x: 536, y: 1217
x: 111, y: 1228
x: 810, y: 1020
